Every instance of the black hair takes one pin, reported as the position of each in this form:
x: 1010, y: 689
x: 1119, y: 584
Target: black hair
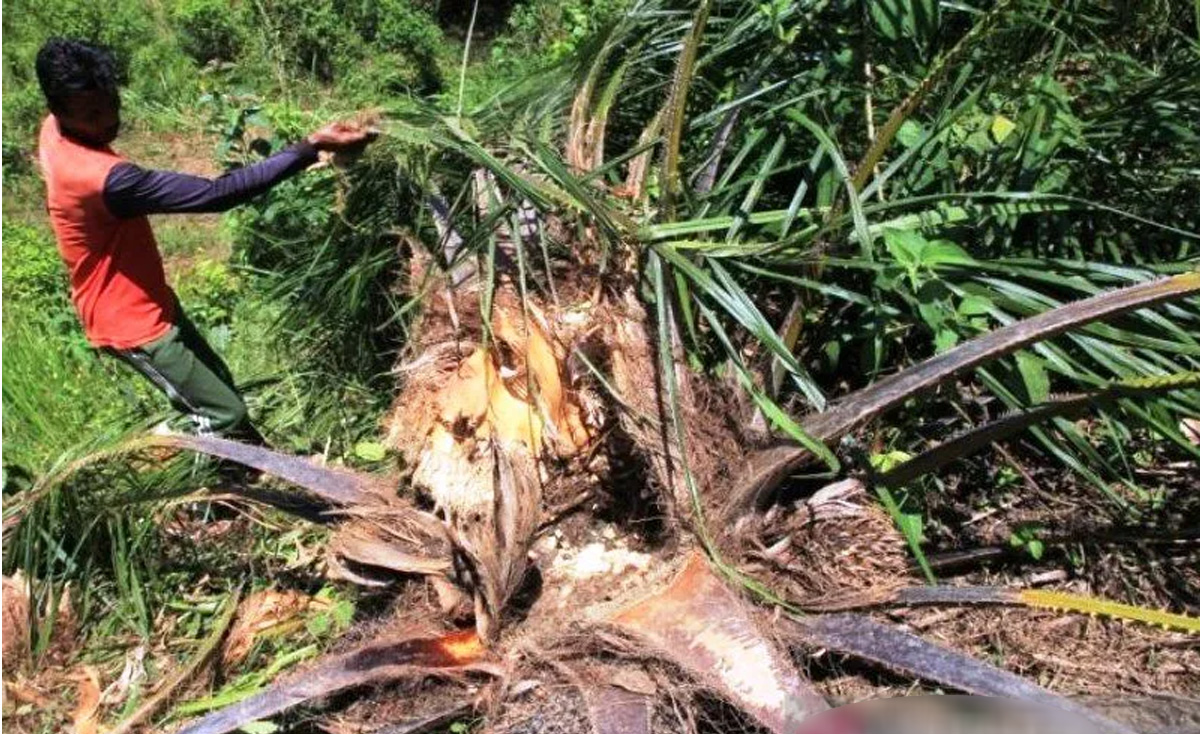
x: 66, y: 66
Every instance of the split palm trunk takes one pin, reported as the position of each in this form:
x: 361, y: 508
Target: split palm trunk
x: 487, y: 416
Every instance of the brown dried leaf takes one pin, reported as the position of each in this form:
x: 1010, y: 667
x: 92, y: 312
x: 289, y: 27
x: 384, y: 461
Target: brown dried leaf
x: 261, y: 613
x: 1191, y: 430
x: 24, y: 693
x: 86, y: 717
x: 634, y: 680
x: 369, y: 551
x: 15, y: 624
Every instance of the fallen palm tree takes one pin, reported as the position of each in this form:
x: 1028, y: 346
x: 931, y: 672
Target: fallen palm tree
x: 595, y: 344
x: 487, y: 447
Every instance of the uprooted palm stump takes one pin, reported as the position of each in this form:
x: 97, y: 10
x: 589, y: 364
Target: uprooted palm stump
x: 494, y: 421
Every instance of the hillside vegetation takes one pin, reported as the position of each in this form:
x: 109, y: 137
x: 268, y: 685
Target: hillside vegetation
x: 834, y: 317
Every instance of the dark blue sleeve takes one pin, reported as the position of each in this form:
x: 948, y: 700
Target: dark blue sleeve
x: 131, y: 191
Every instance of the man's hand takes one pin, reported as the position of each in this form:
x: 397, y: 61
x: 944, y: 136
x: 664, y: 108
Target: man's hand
x: 342, y: 137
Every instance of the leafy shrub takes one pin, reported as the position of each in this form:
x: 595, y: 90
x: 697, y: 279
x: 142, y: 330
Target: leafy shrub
x: 208, y: 291
x: 303, y: 36
x: 269, y: 231
x: 160, y: 74
x: 34, y: 275
x: 148, y: 59
x: 553, y: 30
x: 289, y: 122
x: 388, y: 45
x: 209, y: 29
x: 384, y: 75
x: 538, y: 34
x: 24, y: 108
x: 18, y: 159
x: 404, y: 46
x: 122, y: 25
x: 395, y: 25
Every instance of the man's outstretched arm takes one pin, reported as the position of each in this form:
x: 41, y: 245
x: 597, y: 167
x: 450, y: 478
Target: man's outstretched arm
x: 131, y: 191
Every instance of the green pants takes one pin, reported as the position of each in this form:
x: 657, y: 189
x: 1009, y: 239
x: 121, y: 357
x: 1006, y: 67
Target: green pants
x: 186, y: 369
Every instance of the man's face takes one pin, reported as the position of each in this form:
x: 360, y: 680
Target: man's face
x: 93, y: 117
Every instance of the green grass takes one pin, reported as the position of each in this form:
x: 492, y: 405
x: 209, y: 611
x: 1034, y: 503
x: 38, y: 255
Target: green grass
x: 57, y: 390
x: 101, y: 537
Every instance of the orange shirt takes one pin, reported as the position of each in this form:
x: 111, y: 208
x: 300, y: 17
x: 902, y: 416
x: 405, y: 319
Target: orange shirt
x: 117, y: 281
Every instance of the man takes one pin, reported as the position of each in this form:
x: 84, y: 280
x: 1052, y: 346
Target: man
x: 98, y: 202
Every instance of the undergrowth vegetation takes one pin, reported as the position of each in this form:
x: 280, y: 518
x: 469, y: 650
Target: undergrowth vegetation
x: 807, y: 197
x: 296, y: 291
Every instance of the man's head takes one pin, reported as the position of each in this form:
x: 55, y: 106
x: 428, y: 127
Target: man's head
x: 80, y: 84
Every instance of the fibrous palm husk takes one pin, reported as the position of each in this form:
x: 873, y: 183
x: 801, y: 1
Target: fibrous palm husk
x: 700, y: 624
x: 478, y: 424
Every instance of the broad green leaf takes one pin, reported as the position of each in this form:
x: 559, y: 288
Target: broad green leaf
x: 944, y: 340
x: 1002, y: 127
x: 906, y: 246
x: 885, y: 462
x: 974, y: 305
x: 944, y: 252
x: 370, y: 451
x: 343, y: 613
x: 911, y: 526
x: 910, y: 134
x: 319, y: 625
x: 1033, y: 372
